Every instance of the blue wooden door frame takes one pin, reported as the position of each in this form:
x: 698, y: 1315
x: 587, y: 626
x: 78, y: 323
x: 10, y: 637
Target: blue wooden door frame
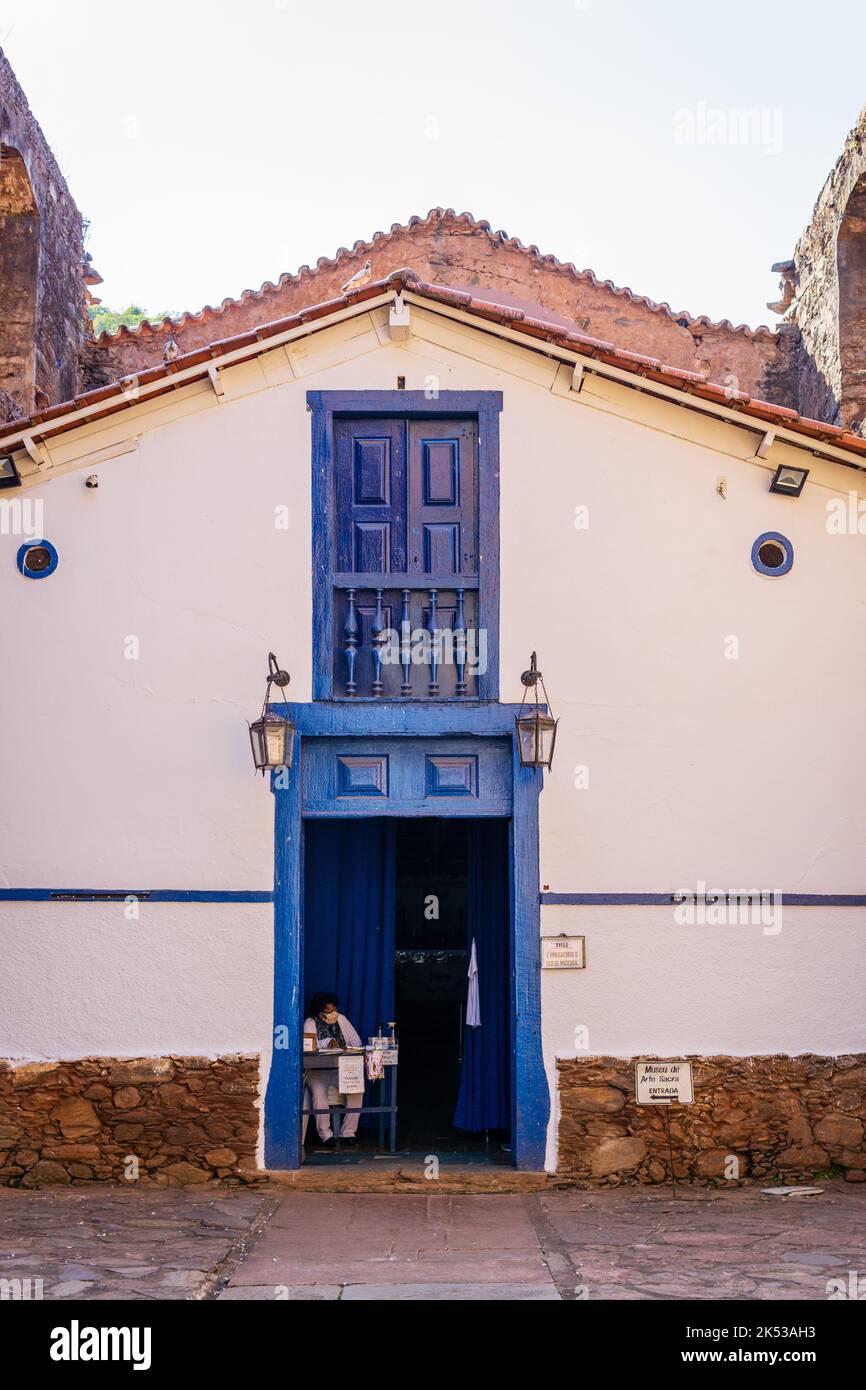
x: 530, y: 1100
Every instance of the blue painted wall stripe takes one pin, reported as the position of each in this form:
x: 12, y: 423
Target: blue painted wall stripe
x: 196, y: 895
x: 668, y: 899
x: 150, y: 895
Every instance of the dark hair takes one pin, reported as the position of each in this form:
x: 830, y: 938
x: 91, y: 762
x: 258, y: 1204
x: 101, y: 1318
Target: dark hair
x: 318, y: 1001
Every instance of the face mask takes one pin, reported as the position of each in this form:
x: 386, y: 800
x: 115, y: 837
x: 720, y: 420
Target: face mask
x: 332, y: 1017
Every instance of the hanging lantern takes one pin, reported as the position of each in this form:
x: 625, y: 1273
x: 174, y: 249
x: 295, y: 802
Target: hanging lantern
x: 536, y: 731
x: 273, y: 735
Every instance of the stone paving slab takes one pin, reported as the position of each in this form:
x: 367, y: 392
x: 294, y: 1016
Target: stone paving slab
x: 352, y: 1239
x: 424, y: 1268
x: 109, y: 1242
x: 710, y: 1243
x: 434, y: 1293
x: 270, y: 1293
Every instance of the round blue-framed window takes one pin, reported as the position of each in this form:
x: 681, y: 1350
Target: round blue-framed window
x: 37, y: 559
x: 772, y: 554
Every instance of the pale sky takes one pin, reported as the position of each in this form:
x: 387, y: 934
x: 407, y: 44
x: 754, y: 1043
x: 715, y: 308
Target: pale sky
x: 213, y: 144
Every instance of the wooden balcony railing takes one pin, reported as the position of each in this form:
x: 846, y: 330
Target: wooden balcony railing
x: 398, y: 637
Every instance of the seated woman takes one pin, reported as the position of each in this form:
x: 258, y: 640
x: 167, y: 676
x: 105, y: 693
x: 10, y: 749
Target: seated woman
x: 333, y: 1029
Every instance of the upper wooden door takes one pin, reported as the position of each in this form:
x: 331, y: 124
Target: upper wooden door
x: 406, y: 548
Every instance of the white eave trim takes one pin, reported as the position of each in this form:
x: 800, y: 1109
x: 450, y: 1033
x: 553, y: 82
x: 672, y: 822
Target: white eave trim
x: 185, y: 376
x: 651, y: 388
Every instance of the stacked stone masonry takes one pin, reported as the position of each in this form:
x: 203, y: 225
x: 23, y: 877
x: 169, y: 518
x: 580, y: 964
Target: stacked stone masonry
x: 782, y: 1118
x: 157, y: 1122
x: 824, y: 293
x: 43, y: 311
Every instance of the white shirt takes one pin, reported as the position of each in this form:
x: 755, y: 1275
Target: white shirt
x: 349, y: 1033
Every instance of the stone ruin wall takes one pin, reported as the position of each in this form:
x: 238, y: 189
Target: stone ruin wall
x: 824, y: 288
x: 43, y: 314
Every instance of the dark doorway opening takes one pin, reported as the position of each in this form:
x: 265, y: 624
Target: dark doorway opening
x: 432, y: 936
x: 435, y: 885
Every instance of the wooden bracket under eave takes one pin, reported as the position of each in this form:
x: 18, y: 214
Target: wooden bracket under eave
x: 215, y: 381
x: 37, y: 452
x: 766, y: 444
x: 400, y: 320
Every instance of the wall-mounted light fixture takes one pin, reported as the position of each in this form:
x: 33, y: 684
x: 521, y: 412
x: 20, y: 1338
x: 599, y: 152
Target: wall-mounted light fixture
x: 9, y: 475
x: 273, y: 735
x: 789, y: 481
x: 536, y: 731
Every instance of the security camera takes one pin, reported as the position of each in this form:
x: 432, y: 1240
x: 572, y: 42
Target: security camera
x: 92, y: 480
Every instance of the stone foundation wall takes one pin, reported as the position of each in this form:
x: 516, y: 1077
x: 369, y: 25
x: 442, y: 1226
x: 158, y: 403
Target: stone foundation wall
x: 782, y: 1117
x: 154, y: 1122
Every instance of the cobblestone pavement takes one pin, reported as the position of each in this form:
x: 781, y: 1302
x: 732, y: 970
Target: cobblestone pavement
x: 108, y: 1242
x: 102, y: 1243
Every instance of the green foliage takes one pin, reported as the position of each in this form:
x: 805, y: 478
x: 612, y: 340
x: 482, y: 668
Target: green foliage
x: 106, y: 320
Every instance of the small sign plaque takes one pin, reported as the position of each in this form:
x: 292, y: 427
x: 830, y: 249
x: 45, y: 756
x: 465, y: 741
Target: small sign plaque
x: 350, y: 1074
x: 563, y: 952
x: 663, y: 1083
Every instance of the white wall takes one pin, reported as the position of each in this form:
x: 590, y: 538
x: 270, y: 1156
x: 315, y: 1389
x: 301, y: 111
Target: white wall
x: 742, y: 772
x: 651, y: 985
x: 79, y: 980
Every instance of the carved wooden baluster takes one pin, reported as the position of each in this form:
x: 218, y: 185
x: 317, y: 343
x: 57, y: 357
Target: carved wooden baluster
x: 376, y: 637
x: 434, y: 653
x: 350, y: 634
x: 406, y: 644
x: 460, y: 644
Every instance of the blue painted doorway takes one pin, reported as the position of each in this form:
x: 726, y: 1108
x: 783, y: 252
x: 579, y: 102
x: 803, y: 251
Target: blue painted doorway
x: 451, y: 762
x: 394, y: 912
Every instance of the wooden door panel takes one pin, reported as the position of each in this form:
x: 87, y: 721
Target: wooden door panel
x: 370, y: 495
x: 443, y: 497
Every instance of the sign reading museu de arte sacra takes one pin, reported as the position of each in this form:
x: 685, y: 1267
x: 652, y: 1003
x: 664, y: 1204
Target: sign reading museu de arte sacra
x: 663, y: 1083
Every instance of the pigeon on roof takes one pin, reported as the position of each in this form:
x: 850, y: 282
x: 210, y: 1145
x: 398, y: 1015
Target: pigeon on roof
x: 359, y: 278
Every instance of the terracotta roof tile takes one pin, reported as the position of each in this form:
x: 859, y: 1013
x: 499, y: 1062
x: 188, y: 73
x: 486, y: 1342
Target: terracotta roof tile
x: 117, y: 396
x: 438, y: 214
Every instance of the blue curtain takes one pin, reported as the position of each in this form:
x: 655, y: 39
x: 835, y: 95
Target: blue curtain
x: 349, y: 917
x: 483, y: 1100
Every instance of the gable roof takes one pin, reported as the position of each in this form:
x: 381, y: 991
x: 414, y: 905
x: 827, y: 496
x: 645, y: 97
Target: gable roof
x: 434, y: 217
x: 686, y: 388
